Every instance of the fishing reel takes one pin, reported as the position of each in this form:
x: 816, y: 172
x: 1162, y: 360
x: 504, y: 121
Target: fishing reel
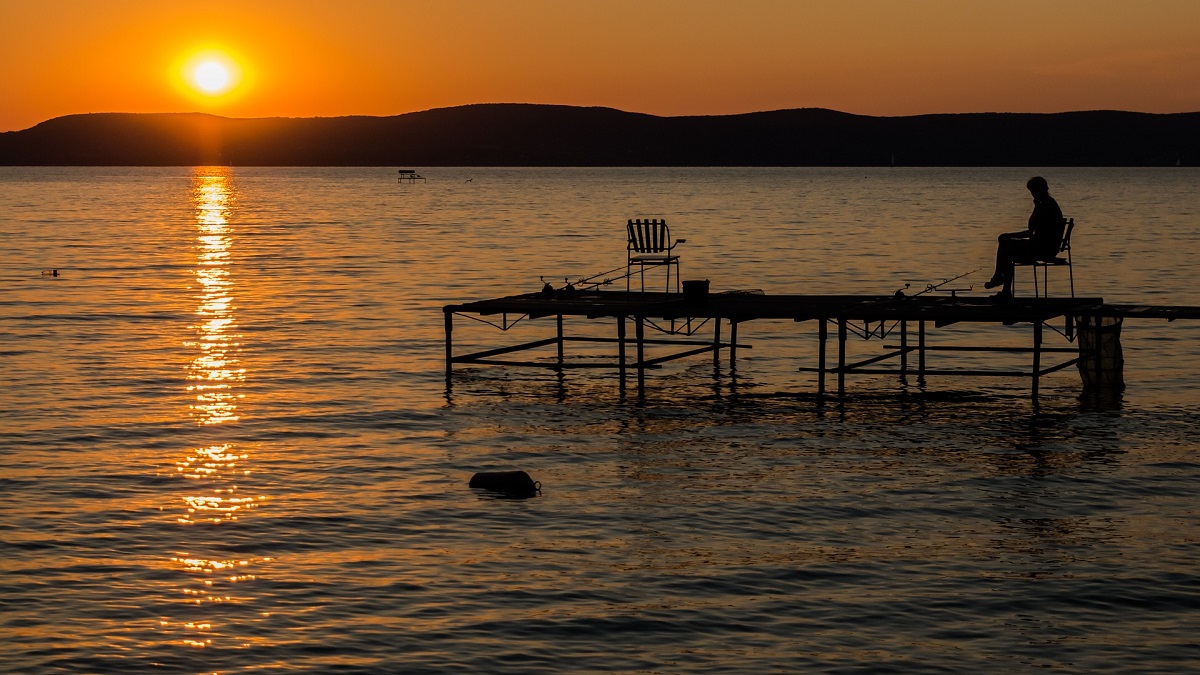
x: 547, y: 288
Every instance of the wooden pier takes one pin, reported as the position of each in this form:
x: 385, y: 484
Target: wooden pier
x: 843, y: 315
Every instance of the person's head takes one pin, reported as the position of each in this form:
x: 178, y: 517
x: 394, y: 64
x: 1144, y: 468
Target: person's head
x: 1037, y: 186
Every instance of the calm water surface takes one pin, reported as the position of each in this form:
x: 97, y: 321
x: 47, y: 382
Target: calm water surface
x: 227, y: 444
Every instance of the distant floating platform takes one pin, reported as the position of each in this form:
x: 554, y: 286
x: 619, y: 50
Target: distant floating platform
x: 409, y: 176
x: 862, y: 315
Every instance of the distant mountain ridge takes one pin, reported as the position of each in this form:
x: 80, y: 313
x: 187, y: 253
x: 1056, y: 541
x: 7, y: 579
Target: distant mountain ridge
x: 552, y: 135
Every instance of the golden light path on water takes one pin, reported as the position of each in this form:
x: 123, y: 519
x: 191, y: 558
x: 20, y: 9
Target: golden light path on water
x: 214, y: 376
x: 214, y: 372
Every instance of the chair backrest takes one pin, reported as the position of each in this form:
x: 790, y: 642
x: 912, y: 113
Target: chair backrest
x: 649, y: 235
x: 1065, y: 246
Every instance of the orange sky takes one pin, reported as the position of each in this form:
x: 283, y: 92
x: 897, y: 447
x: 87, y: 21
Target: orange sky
x: 302, y: 58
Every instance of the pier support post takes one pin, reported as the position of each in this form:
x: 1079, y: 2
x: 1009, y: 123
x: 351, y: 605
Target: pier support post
x: 621, y: 347
x: 841, y: 358
x: 1037, y: 357
x: 921, y: 351
x: 560, y: 342
x: 732, y: 344
x: 903, y: 350
x: 449, y: 343
x: 822, y: 335
x: 717, y: 341
x: 641, y: 354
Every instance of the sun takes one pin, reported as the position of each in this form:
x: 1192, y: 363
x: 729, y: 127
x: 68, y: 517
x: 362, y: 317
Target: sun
x: 211, y: 77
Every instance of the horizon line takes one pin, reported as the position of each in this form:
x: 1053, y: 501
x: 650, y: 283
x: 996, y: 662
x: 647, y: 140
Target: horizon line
x: 599, y: 107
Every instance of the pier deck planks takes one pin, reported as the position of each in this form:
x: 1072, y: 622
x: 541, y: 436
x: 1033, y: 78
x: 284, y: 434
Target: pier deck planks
x: 739, y: 307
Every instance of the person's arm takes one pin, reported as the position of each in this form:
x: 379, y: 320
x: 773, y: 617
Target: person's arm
x: 1035, y: 220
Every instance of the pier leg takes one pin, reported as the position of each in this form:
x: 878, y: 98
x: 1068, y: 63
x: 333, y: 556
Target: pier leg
x: 921, y: 351
x: 560, y: 342
x: 841, y: 358
x: 717, y: 341
x: 449, y: 343
x: 822, y: 334
x: 903, y: 350
x: 621, y: 346
x: 732, y: 344
x: 1037, y: 357
x: 641, y: 355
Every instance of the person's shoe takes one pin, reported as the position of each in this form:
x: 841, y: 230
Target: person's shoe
x: 992, y: 283
x: 1002, y: 296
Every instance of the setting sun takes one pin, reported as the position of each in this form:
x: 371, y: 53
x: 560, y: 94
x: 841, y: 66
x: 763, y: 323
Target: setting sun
x: 211, y: 77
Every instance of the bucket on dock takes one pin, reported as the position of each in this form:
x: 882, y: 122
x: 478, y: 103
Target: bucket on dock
x: 695, y: 290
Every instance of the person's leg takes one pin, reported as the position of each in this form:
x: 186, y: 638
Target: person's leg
x: 1015, y: 250
x: 1004, y: 258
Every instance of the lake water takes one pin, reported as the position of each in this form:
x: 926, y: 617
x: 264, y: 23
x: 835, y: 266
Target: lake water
x: 227, y: 443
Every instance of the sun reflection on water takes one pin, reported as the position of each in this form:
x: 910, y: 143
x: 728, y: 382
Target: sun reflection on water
x: 215, y: 371
x: 214, y: 375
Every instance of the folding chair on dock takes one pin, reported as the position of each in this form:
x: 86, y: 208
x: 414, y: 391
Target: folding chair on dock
x: 1043, y: 291
x: 649, y: 244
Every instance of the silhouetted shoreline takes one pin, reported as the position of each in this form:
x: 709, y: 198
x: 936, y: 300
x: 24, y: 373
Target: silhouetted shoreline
x: 548, y: 135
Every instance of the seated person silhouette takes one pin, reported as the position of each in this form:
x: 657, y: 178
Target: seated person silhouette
x: 1039, y: 242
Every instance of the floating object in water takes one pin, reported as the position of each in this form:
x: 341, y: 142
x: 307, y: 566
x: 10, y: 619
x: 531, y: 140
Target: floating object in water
x: 50, y: 273
x: 509, y: 483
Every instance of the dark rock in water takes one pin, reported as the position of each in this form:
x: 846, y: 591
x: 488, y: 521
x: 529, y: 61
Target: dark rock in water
x: 508, y: 483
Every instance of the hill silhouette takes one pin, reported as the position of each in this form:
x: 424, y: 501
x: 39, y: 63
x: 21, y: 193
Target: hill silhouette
x: 549, y: 135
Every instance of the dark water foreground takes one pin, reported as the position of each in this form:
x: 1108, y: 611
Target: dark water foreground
x: 227, y: 444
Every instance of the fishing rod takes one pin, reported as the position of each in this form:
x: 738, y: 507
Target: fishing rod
x: 929, y: 288
x: 584, y: 283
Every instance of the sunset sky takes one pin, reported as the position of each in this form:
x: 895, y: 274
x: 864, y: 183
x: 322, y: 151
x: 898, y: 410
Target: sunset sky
x: 303, y: 58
